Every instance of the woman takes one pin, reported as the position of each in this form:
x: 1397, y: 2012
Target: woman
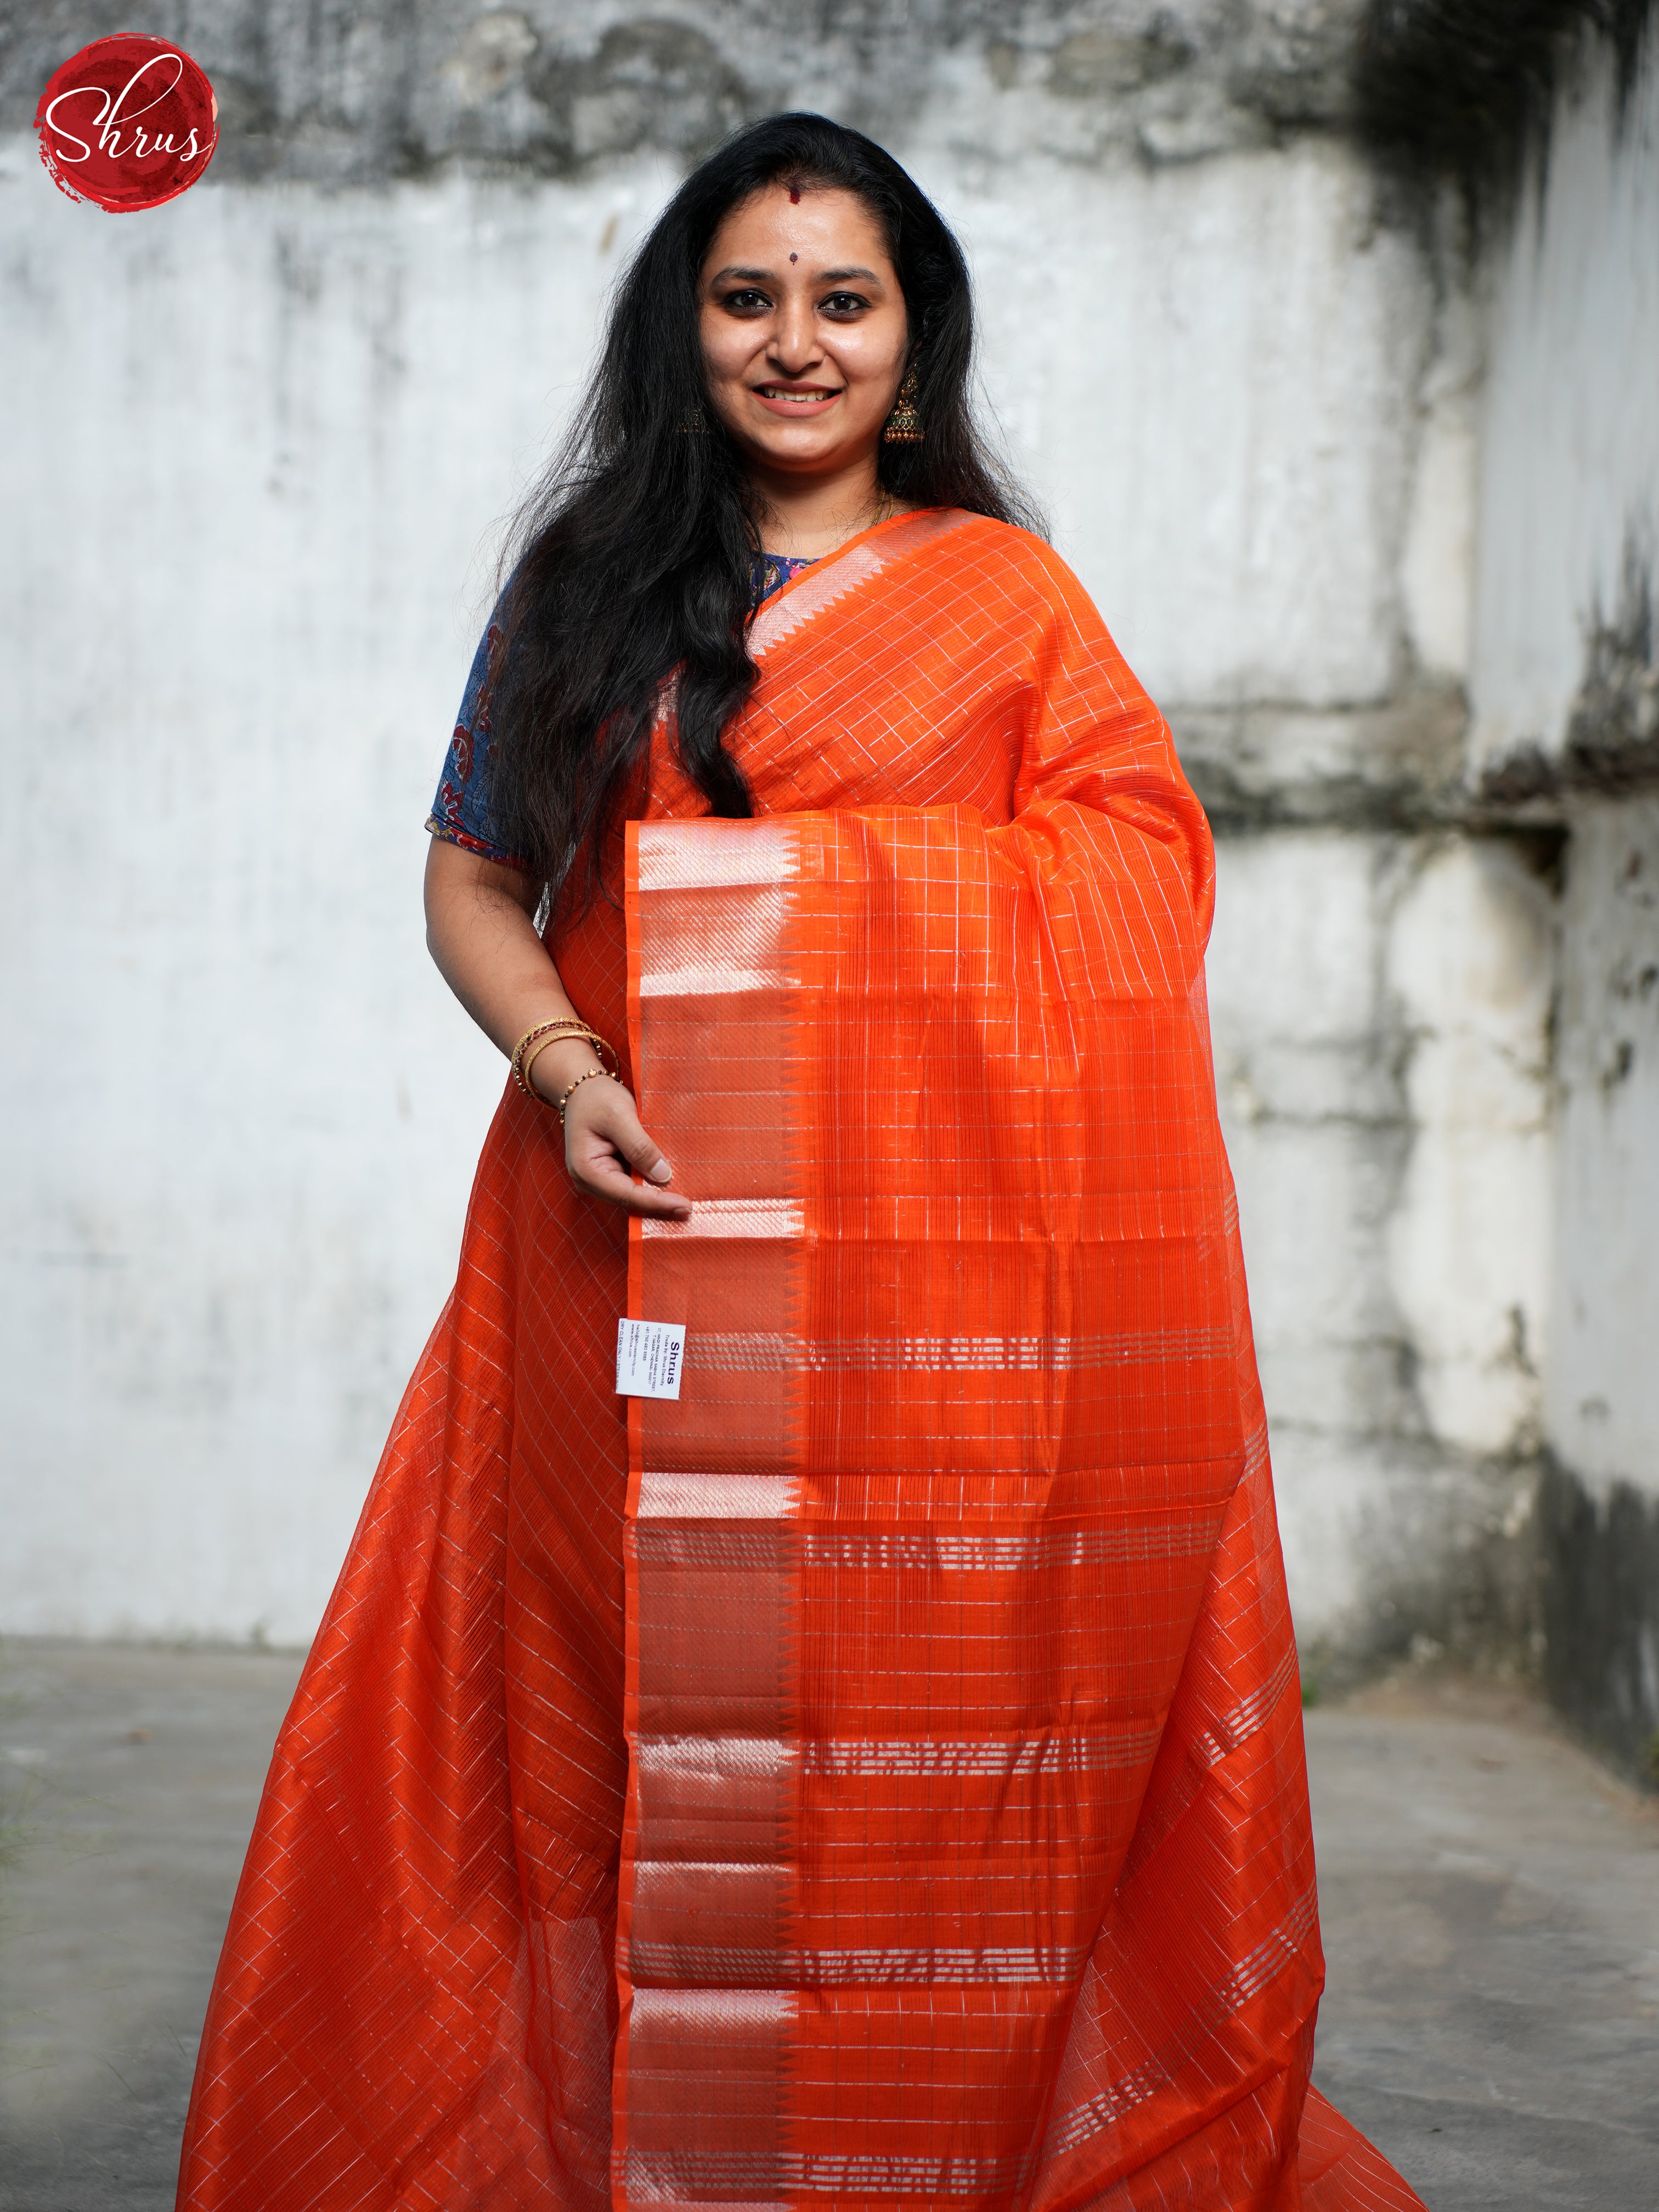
x: 873, y: 1776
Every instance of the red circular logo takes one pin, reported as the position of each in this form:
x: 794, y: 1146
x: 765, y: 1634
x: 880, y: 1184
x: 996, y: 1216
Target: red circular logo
x: 130, y: 122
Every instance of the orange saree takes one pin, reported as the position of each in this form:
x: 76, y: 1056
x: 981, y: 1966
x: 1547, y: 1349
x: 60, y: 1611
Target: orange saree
x: 875, y: 1778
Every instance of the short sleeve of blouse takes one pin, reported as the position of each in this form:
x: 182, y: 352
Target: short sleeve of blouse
x: 461, y: 809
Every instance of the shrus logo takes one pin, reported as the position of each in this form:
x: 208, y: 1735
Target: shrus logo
x: 127, y: 123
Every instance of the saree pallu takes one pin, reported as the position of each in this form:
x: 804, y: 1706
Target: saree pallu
x: 875, y: 1778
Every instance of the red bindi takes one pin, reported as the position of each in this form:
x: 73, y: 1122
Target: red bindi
x: 794, y: 257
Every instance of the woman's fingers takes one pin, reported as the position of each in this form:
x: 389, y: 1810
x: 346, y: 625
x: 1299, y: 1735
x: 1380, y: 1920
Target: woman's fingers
x: 606, y: 1146
x: 609, y: 1180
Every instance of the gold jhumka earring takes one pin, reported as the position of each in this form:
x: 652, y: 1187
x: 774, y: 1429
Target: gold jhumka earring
x: 904, y: 425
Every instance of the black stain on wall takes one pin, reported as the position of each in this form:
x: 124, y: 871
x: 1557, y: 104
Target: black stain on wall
x: 1600, y: 1603
x: 1612, y: 747
x: 1612, y: 738
x: 1465, y: 89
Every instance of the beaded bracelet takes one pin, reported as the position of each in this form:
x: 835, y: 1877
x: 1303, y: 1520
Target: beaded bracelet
x: 563, y: 1099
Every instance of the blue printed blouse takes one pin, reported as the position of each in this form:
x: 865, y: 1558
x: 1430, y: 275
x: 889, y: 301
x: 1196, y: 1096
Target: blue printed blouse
x: 461, y: 809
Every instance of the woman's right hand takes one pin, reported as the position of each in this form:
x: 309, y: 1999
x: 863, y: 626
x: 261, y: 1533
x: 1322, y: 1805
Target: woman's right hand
x: 605, y: 1144
x: 481, y: 924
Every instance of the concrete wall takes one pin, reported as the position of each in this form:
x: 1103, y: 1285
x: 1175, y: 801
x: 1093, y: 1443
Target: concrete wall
x: 271, y: 430
x: 1565, y: 725
x: 1382, y: 1005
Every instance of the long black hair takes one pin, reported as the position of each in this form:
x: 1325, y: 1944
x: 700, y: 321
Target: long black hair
x: 631, y: 558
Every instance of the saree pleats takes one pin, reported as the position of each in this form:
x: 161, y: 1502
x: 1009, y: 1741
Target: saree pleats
x: 874, y: 1779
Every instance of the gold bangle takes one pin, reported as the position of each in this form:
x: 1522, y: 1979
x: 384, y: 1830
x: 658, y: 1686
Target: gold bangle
x: 529, y: 1061
x: 586, y: 1076
x: 566, y: 1030
x: 564, y: 1025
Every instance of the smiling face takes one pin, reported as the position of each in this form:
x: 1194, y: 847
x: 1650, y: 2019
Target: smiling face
x: 804, y: 331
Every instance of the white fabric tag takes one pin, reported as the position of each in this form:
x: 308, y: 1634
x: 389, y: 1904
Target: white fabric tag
x: 650, y: 1355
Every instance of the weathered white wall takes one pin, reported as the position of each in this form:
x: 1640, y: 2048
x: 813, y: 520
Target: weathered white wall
x: 1565, y: 689
x: 271, y: 430
x: 269, y: 434
x: 1380, y: 1007
x: 1604, y: 1371
x: 1214, y: 384
x: 1565, y: 668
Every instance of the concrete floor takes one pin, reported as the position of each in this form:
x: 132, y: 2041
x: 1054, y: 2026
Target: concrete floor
x: 1490, y: 1901
x: 1490, y: 1904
